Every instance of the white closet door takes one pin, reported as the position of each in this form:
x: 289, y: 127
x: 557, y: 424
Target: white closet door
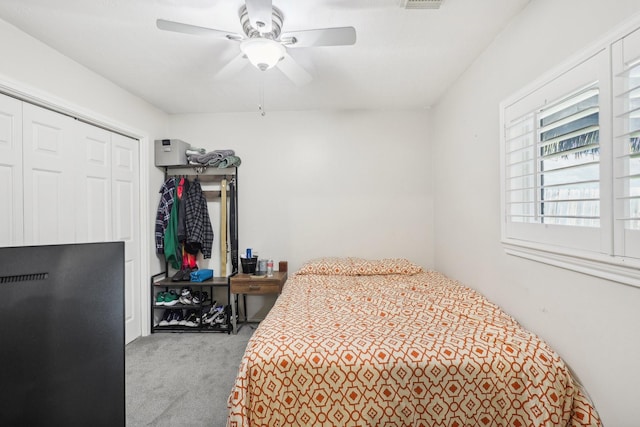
x: 126, y: 224
x: 94, y: 212
x: 49, y: 159
x: 11, y: 231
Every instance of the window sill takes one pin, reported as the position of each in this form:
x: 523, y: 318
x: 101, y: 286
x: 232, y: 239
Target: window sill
x: 616, y: 269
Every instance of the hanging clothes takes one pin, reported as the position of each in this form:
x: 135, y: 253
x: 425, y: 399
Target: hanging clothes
x: 172, y: 247
x: 167, y: 193
x: 197, y: 221
x: 182, y: 190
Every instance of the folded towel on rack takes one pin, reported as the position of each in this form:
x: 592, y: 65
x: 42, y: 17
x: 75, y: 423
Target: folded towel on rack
x: 212, y: 156
x: 193, y: 151
x: 194, y: 163
x: 229, y: 161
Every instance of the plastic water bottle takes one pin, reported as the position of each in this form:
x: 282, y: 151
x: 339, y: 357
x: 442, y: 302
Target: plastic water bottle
x: 270, y: 268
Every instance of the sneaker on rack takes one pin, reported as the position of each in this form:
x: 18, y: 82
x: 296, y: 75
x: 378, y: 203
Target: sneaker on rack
x: 210, y: 311
x: 170, y: 298
x: 192, y: 319
x: 175, y: 318
x: 165, y: 318
x: 221, y: 319
x: 186, y: 275
x: 185, y: 296
x: 208, y: 317
x: 205, y: 318
x: 227, y: 314
x: 200, y: 297
x: 183, y: 320
x: 217, y: 316
x: 160, y: 298
x: 178, y: 276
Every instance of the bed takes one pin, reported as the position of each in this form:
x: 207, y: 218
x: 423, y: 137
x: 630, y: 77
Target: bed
x: 354, y: 342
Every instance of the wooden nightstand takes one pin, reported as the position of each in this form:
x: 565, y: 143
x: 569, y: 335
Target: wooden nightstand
x: 246, y: 284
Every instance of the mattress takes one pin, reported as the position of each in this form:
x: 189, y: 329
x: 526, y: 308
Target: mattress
x: 353, y: 342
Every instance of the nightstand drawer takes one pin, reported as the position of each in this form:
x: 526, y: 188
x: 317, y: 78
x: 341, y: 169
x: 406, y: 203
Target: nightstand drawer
x: 255, y: 288
x: 245, y: 284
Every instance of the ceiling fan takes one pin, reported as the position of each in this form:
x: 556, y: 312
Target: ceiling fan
x: 263, y: 42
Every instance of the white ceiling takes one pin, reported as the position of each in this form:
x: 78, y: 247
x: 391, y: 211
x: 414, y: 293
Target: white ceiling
x: 402, y: 59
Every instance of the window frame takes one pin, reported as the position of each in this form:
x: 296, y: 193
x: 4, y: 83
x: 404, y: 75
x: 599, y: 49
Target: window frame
x: 590, y: 250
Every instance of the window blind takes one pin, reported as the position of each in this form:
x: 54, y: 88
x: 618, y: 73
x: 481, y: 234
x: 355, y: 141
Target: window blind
x: 520, y: 158
x: 627, y: 147
x: 552, y: 162
x: 569, y: 160
x: 628, y: 151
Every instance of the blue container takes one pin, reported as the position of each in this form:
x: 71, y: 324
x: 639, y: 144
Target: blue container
x: 201, y: 275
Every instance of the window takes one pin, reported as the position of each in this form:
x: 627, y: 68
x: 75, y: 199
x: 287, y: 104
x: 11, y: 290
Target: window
x: 571, y: 165
x: 553, y: 159
x: 569, y: 160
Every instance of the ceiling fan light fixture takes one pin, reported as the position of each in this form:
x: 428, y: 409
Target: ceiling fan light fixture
x: 263, y: 53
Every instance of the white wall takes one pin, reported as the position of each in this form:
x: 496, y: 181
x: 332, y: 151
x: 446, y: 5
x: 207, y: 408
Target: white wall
x: 326, y: 183
x: 344, y: 183
x: 594, y: 324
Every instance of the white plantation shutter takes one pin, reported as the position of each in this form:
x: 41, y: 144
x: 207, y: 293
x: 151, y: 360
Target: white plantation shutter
x: 570, y: 152
x: 626, y: 71
x: 553, y: 158
x: 520, y: 170
x: 569, y: 160
x: 552, y: 154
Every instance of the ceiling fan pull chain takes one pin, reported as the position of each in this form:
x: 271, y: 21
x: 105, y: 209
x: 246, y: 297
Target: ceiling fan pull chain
x: 261, y: 96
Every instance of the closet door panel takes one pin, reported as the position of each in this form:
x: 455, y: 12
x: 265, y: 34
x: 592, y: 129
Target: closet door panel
x: 11, y: 222
x: 49, y: 158
x: 93, y: 215
x: 126, y: 224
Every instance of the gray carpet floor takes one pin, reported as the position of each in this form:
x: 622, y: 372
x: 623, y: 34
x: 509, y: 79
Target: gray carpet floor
x: 182, y: 379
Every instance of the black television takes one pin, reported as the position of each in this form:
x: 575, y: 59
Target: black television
x: 62, y: 335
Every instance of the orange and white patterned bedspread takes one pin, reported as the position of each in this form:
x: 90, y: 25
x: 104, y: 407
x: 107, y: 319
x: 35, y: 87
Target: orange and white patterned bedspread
x: 399, y: 350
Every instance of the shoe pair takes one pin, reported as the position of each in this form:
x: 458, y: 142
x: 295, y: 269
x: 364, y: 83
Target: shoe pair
x: 171, y: 317
x: 191, y: 319
x: 215, y: 316
x: 185, y: 296
x: 169, y: 298
x: 183, y: 275
x: 175, y: 317
x: 199, y: 297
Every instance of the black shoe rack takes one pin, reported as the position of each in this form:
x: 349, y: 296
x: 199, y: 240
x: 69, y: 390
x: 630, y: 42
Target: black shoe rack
x: 161, y: 283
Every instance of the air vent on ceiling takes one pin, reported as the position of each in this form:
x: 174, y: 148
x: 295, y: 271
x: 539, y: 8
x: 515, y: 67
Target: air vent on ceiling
x: 421, y: 4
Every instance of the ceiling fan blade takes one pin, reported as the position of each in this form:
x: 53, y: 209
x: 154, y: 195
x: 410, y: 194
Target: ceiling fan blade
x: 179, y: 27
x: 294, y: 71
x: 232, y: 68
x: 338, y: 36
x: 259, y: 12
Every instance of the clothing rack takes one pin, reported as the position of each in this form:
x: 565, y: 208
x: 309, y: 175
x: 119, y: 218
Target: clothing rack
x: 209, y: 175
x: 162, y: 283
x: 216, y: 176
